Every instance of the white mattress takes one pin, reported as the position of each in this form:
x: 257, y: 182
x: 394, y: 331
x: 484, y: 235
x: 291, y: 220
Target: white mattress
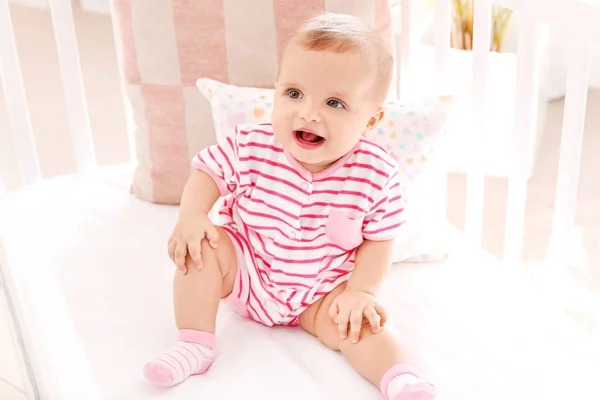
x: 90, y: 273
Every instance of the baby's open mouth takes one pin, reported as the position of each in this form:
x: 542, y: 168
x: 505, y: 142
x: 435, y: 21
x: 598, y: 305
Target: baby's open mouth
x: 308, y: 140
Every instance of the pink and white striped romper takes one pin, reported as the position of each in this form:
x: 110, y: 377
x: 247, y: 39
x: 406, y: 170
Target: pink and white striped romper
x: 296, y: 233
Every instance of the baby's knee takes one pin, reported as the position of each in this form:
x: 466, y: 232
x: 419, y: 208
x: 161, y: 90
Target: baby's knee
x: 366, y: 332
x: 207, y: 250
x: 328, y: 333
x: 329, y: 338
x: 221, y: 258
x: 208, y: 257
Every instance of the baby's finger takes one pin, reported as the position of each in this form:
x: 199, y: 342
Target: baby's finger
x: 212, y: 234
x: 180, y: 253
x: 373, y: 318
x: 343, y: 318
x: 196, y: 253
x: 382, y: 314
x: 334, y: 311
x: 356, y: 318
x: 171, y: 249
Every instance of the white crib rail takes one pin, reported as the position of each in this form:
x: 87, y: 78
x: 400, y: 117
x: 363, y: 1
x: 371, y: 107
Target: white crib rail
x: 570, y: 154
x: 443, y: 24
x: 579, y: 18
x: 24, y: 142
x: 482, y: 24
x: 72, y: 77
x: 18, y: 107
x: 403, y: 51
x: 32, y: 386
x: 529, y: 57
x: 405, y: 43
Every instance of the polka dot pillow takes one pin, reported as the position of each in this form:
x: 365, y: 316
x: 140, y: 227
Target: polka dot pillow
x: 411, y: 133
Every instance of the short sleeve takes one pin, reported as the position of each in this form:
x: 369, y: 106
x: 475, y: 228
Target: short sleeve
x: 219, y: 161
x: 385, y: 219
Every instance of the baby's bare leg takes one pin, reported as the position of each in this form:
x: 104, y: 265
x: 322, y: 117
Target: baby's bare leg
x: 377, y: 356
x: 372, y: 356
x: 196, y: 297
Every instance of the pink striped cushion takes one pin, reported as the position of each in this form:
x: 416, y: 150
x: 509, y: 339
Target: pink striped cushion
x: 167, y: 45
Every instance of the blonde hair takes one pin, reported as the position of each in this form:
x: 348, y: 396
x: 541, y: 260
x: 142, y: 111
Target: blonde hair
x: 342, y: 33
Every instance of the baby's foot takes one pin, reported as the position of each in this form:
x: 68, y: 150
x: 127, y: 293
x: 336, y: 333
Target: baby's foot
x: 402, y: 383
x: 409, y: 387
x: 192, y: 355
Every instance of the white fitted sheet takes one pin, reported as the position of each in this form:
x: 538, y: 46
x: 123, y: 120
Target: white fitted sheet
x: 89, y: 270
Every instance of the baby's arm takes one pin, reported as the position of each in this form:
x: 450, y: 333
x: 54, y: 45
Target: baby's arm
x: 193, y: 225
x: 382, y: 225
x: 357, y: 301
x: 373, y: 260
x: 199, y: 195
x: 214, y: 177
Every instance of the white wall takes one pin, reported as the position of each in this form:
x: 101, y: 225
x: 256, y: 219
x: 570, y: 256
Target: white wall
x: 32, y: 3
x: 98, y: 6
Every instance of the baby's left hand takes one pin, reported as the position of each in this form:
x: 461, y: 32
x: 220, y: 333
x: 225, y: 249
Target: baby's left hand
x: 351, y: 306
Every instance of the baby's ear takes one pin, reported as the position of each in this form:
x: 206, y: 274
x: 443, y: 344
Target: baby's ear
x: 375, y: 119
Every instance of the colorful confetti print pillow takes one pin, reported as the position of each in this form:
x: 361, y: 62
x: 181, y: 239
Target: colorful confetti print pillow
x: 410, y: 133
x: 233, y: 105
x: 413, y: 133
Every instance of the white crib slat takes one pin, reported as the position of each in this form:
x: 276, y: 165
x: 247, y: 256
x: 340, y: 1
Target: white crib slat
x: 18, y: 323
x: 475, y: 178
x: 442, y: 44
x: 570, y: 151
x: 16, y: 99
x: 66, y: 43
x: 528, y: 76
x: 442, y: 76
x: 129, y: 118
x: 404, y: 43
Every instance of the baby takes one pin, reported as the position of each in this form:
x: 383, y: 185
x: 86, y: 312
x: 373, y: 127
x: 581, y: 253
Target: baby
x: 311, y: 210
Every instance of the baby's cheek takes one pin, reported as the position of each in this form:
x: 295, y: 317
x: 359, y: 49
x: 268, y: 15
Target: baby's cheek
x: 278, y: 126
x: 346, y: 142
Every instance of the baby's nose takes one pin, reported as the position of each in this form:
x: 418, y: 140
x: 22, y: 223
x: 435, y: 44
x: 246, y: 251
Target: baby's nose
x: 309, y: 113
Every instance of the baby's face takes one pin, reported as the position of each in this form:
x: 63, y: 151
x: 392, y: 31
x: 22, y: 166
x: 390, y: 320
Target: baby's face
x: 323, y: 104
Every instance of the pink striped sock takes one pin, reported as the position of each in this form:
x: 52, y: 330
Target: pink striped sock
x: 401, y: 382
x: 192, y: 355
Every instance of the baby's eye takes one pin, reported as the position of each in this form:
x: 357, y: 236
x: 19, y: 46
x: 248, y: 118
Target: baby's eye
x: 335, y: 103
x: 294, y: 94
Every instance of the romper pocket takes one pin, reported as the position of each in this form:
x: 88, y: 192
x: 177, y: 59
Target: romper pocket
x: 343, y: 231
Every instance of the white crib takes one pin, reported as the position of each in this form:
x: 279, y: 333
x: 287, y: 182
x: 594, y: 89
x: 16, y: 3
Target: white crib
x: 82, y: 261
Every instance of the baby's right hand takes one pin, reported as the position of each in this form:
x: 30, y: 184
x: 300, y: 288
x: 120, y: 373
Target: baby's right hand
x: 187, y: 236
